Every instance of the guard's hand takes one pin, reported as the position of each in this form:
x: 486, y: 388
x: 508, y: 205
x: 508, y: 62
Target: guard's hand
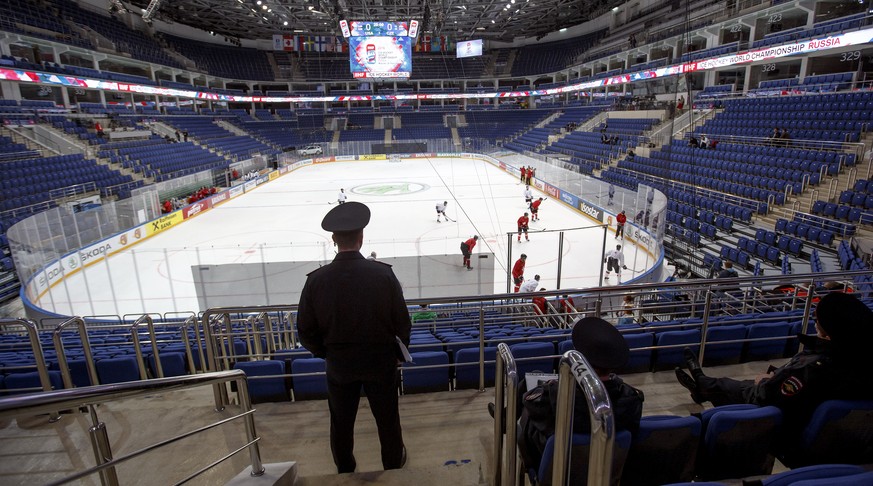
x: 624, y: 267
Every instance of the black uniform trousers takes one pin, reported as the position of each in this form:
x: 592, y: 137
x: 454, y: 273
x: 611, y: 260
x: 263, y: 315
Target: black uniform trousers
x: 723, y: 391
x: 344, y: 395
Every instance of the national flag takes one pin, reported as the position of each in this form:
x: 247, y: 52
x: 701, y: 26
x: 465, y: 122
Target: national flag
x: 425, y: 43
x: 341, y: 46
x: 321, y: 43
x: 435, y: 44
x: 284, y: 42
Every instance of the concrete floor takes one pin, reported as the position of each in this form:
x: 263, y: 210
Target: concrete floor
x: 449, y: 436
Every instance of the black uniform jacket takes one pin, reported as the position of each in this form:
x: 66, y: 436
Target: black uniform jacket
x: 820, y: 372
x: 350, y: 313
x: 537, y: 421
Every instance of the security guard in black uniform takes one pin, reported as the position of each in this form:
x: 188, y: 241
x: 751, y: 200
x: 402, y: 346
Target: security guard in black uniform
x: 834, y: 365
x: 351, y: 313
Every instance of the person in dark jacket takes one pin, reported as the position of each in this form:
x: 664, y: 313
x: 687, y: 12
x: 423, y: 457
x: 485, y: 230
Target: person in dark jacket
x: 833, y: 365
x: 355, y: 328
x: 606, y: 350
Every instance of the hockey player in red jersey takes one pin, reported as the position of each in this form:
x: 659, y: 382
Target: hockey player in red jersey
x: 523, y: 174
x: 534, y: 209
x: 620, y: 220
x: 518, y: 271
x: 522, y: 227
x: 467, y: 250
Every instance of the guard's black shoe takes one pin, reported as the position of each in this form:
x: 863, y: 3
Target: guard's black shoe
x: 403, y: 458
x: 690, y: 384
x: 691, y: 363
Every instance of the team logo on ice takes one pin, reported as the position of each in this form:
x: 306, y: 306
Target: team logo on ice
x: 390, y: 188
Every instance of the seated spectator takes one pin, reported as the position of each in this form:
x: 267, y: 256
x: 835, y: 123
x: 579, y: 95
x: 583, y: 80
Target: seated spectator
x: 728, y: 271
x: 626, y: 315
x: 631, y: 154
x: 834, y: 365
x: 424, y: 314
x: 704, y: 142
x: 693, y: 142
x: 606, y: 350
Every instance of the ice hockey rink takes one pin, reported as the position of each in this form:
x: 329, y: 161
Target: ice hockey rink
x: 271, y: 237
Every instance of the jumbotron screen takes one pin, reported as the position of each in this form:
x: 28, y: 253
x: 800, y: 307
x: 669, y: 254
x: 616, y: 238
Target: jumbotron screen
x: 380, y: 49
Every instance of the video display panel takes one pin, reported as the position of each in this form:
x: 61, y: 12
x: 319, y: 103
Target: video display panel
x: 380, y: 50
x: 469, y: 48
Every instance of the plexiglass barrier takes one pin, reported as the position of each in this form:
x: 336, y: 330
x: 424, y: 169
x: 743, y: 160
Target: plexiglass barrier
x: 62, y: 257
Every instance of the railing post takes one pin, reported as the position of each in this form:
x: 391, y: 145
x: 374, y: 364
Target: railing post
x: 560, y: 258
x: 574, y: 371
x: 481, y: 348
x: 506, y: 377
x: 245, y: 402
x: 707, y: 306
x: 807, y: 307
x: 102, y: 449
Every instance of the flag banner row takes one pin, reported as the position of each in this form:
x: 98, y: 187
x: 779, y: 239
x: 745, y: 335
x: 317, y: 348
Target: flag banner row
x: 329, y: 43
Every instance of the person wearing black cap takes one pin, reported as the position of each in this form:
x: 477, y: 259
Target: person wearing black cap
x: 834, y: 365
x: 355, y: 328
x: 606, y: 350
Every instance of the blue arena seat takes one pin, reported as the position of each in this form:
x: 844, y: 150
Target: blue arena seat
x: 716, y: 353
x: 17, y: 383
x: 542, y: 474
x: 309, y: 387
x: 543, y: 351
x: 669, y: 358
x: 770, y: 349
x: 663, y: 450
x: 840, y: 431
x: 823, y: 471
x: 272, y: 389
x: 117, y: 370
x: 640, y: 360
x: 468, y: 376
x: 737, y: 441
x: 426, y: 379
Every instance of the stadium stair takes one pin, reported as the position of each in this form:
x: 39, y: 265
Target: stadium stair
x: 455, y: 472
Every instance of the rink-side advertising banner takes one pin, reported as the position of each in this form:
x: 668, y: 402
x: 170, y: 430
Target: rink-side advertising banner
x: 194, y: 209
x: 856, y: 38
x: 164, y: 223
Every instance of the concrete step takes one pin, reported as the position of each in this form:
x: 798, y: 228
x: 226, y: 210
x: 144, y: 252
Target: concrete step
x: 459, y: 474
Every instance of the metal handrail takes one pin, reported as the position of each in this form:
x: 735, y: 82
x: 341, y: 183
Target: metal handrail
x: 93, y: 395
x: 506, y: 376
x: 575, y: 371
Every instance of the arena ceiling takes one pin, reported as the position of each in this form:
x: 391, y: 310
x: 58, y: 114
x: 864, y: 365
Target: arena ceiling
x: 502, y: 20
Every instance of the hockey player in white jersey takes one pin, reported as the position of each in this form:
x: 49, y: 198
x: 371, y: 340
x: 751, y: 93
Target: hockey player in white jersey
x: 528, y: 195
x: 441, y: 210
x: 530, y: 285
x: 614, y: 260
x: 341, y: 197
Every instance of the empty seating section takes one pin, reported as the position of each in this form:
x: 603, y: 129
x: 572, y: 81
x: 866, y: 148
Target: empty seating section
x: 216, y: 138
x: 432, y: 66
x: 500, y: 125
x: 225, y: 61
x: 819, y: 29
x: 163, y: 160
x: 546, y: 57
x: 19, y: 16
x: 139, y: 45
x: 292, y: 132
x: 31, y: 181
x: 836, y: 117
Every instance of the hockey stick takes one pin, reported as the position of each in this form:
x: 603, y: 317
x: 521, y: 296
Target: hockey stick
x: 450, y: 219
x: 330, y: 202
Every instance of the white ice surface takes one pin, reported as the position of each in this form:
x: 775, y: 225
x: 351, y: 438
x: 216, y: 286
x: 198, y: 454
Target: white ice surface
x: 280, y: 221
